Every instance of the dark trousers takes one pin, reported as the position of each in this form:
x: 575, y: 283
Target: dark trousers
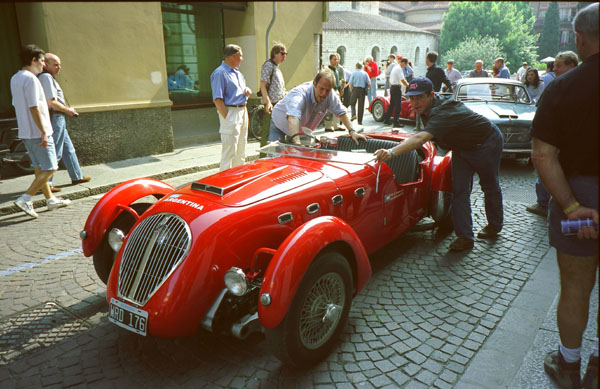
x: 395, y: 104
x: 485, y: 161
x: 346, y: 97
x: 358, y: 94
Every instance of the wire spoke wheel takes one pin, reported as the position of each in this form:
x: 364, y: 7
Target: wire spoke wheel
x: 321, y: 311
x: 317, y: 314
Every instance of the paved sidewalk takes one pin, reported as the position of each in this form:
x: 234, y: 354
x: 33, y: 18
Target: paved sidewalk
x: 182, y: 161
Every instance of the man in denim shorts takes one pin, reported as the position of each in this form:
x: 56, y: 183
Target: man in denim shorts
x: 565, y: 154
x: 35, y: 129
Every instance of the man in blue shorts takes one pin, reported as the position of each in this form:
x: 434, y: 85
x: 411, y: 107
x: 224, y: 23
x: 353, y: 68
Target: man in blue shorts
x: 565, y: 154
x: 35, y: 129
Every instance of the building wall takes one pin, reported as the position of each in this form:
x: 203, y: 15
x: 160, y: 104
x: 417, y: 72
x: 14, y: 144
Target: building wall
x: 113, y: 69
x: 362, y: 43
x: 366, y: 7
x: 424, y: 16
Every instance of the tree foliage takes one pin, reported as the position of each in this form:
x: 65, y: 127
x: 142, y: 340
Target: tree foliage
x: 512, y: 23
x: 550, y: 38
x: 470, y: 50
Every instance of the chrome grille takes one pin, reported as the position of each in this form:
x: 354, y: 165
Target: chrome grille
x: 153, y: 251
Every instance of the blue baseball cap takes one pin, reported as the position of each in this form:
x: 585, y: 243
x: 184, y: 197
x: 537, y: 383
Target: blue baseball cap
x: 418, y: 86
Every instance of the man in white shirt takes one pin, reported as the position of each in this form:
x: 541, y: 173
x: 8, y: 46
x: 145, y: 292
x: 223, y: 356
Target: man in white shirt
x: 521, y: 72
x: 396, y: 81
x: 452, y: 74
x: 35, y: 129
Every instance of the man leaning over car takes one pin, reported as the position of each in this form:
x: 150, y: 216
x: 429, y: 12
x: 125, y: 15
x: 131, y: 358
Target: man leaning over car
x: 476, y: 145
x: 305, y: 106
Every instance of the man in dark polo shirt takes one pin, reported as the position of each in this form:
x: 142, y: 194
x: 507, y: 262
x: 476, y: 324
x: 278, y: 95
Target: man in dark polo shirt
x: 565, y: 154
x: 435, y: 73
x: 476, y: 146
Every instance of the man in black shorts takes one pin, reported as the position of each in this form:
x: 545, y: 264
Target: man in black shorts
x: 565, y: 154
x: 476, y: 145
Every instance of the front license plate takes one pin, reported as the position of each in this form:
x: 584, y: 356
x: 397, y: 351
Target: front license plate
x: 128, y: 317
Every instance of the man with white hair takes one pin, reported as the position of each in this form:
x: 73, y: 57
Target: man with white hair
x: 478, y: 71
x: 565, y: 154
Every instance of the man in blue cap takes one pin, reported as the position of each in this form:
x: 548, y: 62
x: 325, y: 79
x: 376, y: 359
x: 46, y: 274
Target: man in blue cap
x: 476, y: 145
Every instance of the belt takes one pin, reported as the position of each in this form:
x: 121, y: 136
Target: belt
x: 236, y: 106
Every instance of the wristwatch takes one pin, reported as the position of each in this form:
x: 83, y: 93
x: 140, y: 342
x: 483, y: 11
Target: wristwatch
x: 391, y: 152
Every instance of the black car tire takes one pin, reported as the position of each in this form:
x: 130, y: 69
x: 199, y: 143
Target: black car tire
x: 24, y: 166
x: 378, y: 110
x: 318, y: 312
x: 104, y: 257
x: 257, y: 116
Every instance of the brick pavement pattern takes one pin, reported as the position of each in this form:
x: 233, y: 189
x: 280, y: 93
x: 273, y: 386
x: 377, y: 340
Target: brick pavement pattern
x: 418, y: 323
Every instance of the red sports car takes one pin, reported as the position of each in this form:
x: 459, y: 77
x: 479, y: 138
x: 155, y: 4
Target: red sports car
x: 380, y: 104
x: 279, y: 245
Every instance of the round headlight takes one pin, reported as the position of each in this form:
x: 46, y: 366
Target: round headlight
x: 115, y: 239
x: 235, y: 281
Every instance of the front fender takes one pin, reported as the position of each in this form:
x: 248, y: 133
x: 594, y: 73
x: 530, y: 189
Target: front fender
x: 441, y: 187
x: 106, y: 210
x: 294, y: 256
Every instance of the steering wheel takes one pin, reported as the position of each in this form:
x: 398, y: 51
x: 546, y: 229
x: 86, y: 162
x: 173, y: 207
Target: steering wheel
x: 313, y: 139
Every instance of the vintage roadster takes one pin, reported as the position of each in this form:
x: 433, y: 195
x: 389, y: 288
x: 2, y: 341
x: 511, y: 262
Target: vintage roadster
x: 380, y: 104
x: 278, y: 245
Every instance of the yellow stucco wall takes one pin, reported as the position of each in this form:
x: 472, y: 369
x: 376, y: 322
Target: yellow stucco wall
x: 113, y: 53
x: 295, y: 26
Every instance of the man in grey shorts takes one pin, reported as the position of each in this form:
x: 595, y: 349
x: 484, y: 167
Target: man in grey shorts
x: 35, y: 129
x: 565, y: 154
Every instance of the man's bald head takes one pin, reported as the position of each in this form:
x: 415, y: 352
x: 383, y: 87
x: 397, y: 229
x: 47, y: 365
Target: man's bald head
x: 53, y: 64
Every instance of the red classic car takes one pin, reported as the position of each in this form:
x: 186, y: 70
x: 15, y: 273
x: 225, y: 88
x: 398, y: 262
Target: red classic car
x: 380, y: 104
x: 279, y: 245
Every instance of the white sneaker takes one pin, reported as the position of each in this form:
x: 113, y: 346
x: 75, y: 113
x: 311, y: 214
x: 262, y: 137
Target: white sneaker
x: 57, y: 203
x: 26, y: 206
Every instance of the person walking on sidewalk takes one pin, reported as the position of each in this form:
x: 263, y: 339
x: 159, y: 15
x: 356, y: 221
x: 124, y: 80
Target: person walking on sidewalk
x: 373, y: 71
x: 35, y: 129
x: 230, y: 96
x: 305, y: 106
x: 565, y: 154
x: 272, y: 86
x: 358, y: 84
x: 58, y: 109
x: 476, y: 145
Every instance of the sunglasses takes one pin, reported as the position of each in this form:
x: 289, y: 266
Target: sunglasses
x: 283, y: 53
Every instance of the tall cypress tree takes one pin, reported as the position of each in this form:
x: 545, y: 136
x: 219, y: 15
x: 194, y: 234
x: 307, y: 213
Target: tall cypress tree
x: 550, y: 38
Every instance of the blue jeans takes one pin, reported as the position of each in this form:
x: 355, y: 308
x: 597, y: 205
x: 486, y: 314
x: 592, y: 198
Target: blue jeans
x: 275, y: 133
x: 543, y: 197
x: 372, y: 92
x: 64, y: 146
x: 485, y: 161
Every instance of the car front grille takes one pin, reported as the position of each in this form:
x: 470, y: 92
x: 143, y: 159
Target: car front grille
x: 153, y: 251
x: 515, y: 134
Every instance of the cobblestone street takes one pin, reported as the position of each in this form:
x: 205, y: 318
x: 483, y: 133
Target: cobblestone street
x: 424, y: 315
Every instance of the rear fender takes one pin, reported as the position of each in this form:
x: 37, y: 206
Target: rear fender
x: 113, y: 203
x: 297, y: 252
x: 441, y: 187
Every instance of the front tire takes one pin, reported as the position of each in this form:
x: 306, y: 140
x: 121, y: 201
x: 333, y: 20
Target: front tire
x: 318, y: 312
x: 104, y: 257
x: 378, y: 110
x: 256, y: 122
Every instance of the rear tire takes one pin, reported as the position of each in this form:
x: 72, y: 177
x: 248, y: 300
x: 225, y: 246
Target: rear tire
x: 24, y: 166
x: 104, y: 257
x: 318, y: 312
x: 257, y: 117
x: 378, y: 110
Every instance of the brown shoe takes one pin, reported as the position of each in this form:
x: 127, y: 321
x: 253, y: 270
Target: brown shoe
x: 461, y: 244
x: 54, y: 189
x: 489, y: 231
x: 83, y: 179
x: 537, y: 209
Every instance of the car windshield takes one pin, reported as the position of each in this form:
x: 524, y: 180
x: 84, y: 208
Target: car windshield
x: 356, y: 157
x: 493, y: 92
